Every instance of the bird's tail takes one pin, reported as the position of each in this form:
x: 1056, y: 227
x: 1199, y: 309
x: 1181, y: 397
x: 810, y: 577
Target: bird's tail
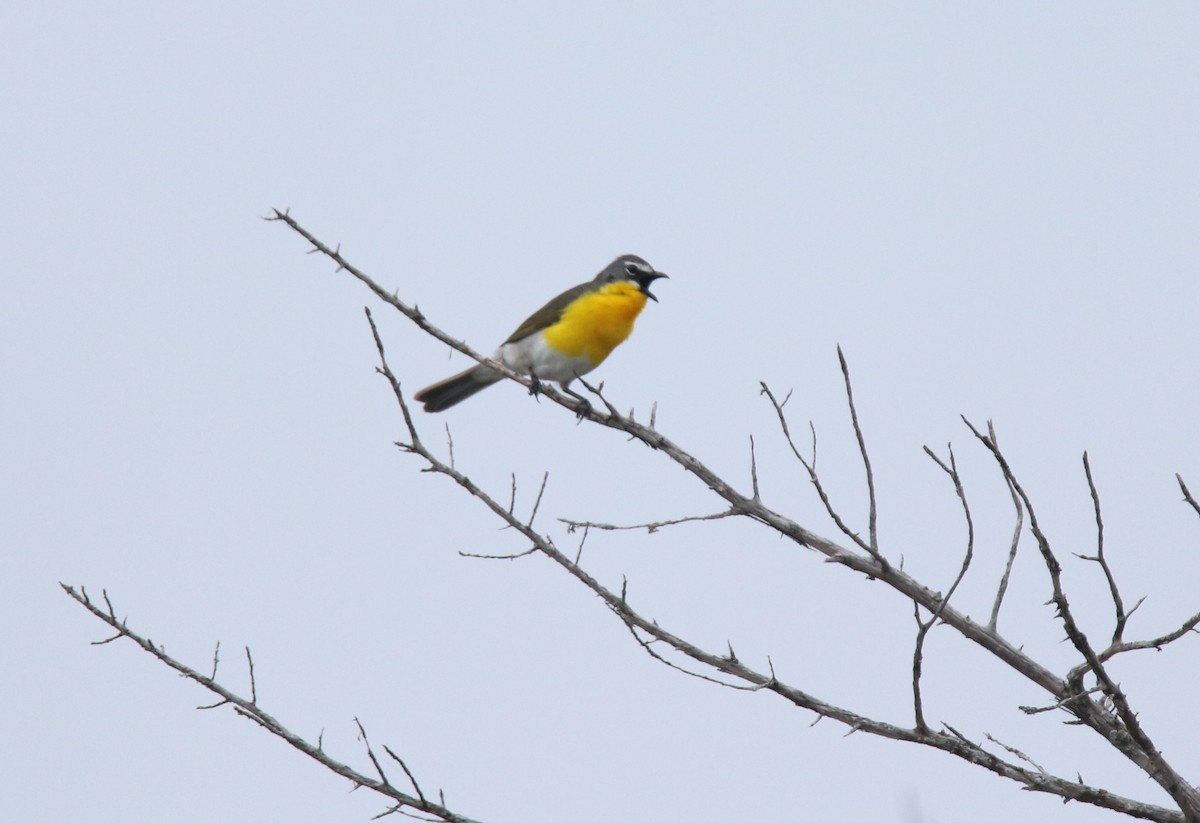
x: 453, y: 390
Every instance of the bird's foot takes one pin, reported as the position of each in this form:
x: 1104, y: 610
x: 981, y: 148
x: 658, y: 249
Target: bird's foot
x: 582, y: 407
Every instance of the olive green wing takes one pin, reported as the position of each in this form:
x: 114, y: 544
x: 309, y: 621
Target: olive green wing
x: 550, y: 313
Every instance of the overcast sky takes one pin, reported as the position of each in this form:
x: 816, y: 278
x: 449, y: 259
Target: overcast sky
x: 993, y: 208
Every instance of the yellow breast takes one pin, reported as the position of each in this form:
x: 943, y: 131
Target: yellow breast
x: 597, y: 322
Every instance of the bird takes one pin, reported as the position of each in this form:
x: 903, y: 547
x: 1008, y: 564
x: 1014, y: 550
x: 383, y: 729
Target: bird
x: 564, y: 339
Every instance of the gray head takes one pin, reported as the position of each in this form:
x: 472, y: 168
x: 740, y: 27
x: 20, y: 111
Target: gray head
x: 633, y: 268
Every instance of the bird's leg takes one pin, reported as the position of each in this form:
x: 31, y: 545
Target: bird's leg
x: 581, y: 411
x: 535, y: 385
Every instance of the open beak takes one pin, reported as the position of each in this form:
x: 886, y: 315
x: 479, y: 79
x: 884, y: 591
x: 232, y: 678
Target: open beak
x: 644, y: 281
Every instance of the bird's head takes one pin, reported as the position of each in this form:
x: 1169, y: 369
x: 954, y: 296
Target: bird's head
x: 633, y: 268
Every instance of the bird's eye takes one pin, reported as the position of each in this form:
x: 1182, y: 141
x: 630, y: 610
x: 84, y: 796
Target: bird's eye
x: 632, y: 268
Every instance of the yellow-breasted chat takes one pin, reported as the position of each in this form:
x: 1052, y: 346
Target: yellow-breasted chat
x: 564, y: 339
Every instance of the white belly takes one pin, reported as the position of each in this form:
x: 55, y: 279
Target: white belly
x: 531, y: 355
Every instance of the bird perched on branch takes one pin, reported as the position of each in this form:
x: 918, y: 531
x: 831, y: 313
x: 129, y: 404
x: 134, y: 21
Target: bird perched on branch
x: 564, y: 339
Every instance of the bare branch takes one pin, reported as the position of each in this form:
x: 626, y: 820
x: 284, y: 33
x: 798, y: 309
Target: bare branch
x: 579, y: 551
x: 392, y: 380
x: 1118, y: 604
x: 514, y: 556
x: 753, y: 473
x: 450, y: 444
x: 811, y: 467
x: 1130, y: 738
x: 1156, y: 643
x: 862, y: 448
x: 1061, y: 704
x: 538, y: 502
x: 1051, y: 562
x: 599, y: 392
x: 923, y: 627
x: 1017, y: 753
x: 1187, y: 495
x: 362, y: 733
x: 1012, y: 549
x: 647, y: 646
x: 918, y: 656
x: 650, y: 528
x: 952, y: 471
x: 408, y: 772
x: 253, y: 685
x: 250, y: 710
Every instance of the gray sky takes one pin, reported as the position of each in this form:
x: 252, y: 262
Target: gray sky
x: 993, y: 209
